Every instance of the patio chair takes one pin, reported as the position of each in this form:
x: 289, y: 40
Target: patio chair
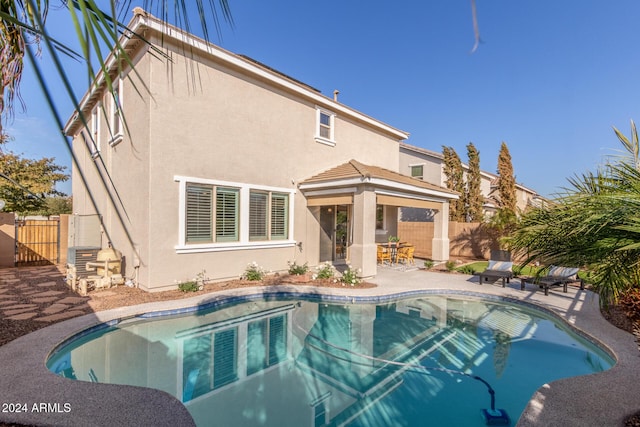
x: 405, y: 255
x: 556, y: 276
x: 499, y: 267
x: 383, y: 255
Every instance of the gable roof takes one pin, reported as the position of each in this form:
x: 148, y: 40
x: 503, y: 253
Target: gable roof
x: 143, y: 21
x: 354, y: 172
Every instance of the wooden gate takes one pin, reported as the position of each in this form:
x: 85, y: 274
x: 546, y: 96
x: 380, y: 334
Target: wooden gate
x: 37, y: 242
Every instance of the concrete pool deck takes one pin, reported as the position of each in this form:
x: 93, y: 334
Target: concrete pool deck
x: 603, y: 399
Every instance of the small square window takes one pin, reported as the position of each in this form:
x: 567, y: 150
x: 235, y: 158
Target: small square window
x: 417, y: 171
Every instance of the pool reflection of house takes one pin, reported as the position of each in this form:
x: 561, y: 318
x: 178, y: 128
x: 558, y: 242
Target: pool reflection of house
x: 322, y: 362
x: 239, y: 164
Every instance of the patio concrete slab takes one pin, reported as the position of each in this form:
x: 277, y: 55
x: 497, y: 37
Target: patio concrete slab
x: 603, y: 399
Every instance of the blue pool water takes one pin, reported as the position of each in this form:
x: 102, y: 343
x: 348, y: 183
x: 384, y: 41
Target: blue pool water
x: 428, y: 360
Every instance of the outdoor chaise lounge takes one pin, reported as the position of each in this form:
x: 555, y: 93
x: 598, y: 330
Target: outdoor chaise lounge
x: 499, y: 268
x: 555, y: 277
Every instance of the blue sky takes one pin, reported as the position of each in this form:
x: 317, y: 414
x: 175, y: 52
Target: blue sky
x: 550, y: 79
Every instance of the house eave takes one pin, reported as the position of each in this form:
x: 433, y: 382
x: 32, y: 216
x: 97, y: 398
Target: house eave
x: 143, y: 20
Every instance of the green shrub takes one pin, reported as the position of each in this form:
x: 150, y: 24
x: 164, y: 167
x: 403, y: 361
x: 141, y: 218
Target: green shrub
x: 428, y: 264
x: 517, y: 270
x: 253, y: 272
x: 350, y: 277
x: 297, y: 269
x: 466, y: 269
x: 325, y: 271
x: 190, y: 286
x: 450, y: 265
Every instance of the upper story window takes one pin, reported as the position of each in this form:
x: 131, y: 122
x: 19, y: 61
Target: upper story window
x: 417, y: 171
x: 325, y: 127
x: 95, y: 131
x: 116, y: 122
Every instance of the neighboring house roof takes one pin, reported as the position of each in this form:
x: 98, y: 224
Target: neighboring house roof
x: 356, y: 172
x: 143, y: 21
x: 421, y: 150
x: 491, y: 176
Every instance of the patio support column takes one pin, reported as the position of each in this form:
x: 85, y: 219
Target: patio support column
x: 440, y: 242
x: 363, y: 249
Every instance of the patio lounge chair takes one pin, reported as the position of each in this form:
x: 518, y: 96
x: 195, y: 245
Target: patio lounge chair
x: 499, y: 268
x: 555, y: 277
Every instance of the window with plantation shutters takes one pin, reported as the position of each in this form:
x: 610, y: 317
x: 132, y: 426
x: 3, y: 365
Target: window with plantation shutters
x: 279, y: 214
x: 258, y: 215
x: 202, y: 217
x: 226, y: 214
x: 199, y: 213
x: 268, y: 216
x: 217, y: 215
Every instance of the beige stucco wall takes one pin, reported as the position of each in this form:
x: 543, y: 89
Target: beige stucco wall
x: 126, y: 165
x: 432, y: 166
x: 204, y: 120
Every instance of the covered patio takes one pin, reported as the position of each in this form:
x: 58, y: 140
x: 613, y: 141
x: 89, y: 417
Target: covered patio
x: 370, y: 197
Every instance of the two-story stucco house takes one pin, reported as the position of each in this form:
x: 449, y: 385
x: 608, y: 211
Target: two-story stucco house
x: 222, y: 161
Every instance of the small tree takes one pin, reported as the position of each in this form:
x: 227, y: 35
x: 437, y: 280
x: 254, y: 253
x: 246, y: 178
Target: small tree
x: 56, y: 206
x: 474, y: 195
x: 455, y: 181
x: 506, y: 180
x: 25, y: 183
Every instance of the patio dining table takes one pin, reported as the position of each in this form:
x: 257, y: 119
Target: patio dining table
x: 393, y: 248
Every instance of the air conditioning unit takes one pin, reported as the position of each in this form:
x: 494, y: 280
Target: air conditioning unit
x: 77, y: 259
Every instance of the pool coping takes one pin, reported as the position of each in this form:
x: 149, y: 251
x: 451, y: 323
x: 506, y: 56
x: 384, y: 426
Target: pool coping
x: 605, y: 398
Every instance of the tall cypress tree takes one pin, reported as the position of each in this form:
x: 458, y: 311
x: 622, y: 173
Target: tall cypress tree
x: 474, y: 195
x: 455, y: 181
x: 506, y: 180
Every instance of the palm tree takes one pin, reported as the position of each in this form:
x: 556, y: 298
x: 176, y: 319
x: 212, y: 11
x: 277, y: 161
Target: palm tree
x: 24, y: 33
x: 23, y: 27
x: 594, y: 223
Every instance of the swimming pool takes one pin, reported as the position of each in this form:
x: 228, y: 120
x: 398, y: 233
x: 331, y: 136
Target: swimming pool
x: 428, y: 359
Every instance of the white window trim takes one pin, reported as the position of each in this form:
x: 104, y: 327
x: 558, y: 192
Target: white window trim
x: 243, y: 243
x: 411, y: 166
x: 117, y: 138
x: 332, y: 116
